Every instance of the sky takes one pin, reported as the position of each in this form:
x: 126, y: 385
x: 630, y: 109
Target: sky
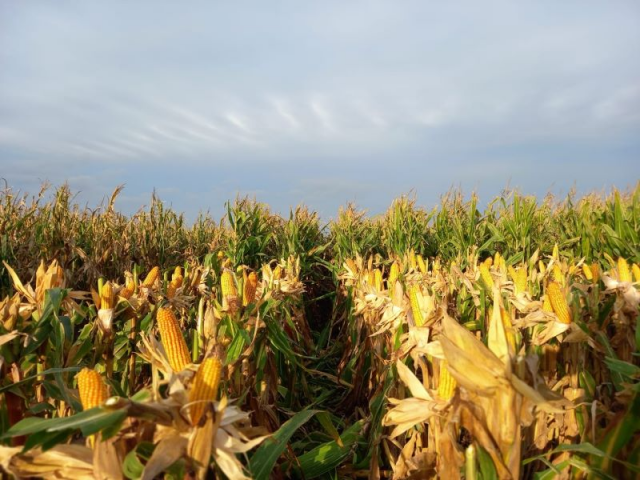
x: 320, y: 103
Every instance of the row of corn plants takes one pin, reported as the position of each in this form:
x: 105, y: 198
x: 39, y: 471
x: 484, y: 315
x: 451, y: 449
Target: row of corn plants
x: 444, y: 343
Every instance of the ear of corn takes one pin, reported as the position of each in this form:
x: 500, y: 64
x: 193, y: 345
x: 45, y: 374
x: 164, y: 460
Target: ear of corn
x: 587, y: 271
x: 151, y: 277
x: 277, y: 272
x: 371, y: 278
x: 412, y: 260
x: 486, y: 276
x: 172, y: 339
x: 177, y: 273
x: 636, y: 272
x: 624, y: 275
x: 595, y: 271
x: 557, y: 275
x: 249, y: 290
x: 377, y: 279
x: 228, y: 285
x: 415, y: 306
x: 422, y: 266
x: 508, y: 328
x: 92, y: 389
x: 559, y: 302
x: 107, y: 296
x: 447, y: 384
x: 519, y: 278
x: 394, y: 272
x: 204, y: 387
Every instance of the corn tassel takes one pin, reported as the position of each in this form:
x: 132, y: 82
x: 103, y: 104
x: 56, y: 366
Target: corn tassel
x: 205, y: 387
x: 172, y: 339
x: 447, y: 384
x: 92, y: 389
x: 559, y: 302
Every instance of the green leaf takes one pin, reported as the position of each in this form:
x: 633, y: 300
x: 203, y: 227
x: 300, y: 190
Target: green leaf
x: 325, y: 420
x: 132, y: 467
x: 263, y: 460
x: 89, y: 422
x: 329, y: 456
x: 486, y: 467
x: 51, y: 371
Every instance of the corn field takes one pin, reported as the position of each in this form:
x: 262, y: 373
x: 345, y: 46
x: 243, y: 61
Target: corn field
x: 453, y: 342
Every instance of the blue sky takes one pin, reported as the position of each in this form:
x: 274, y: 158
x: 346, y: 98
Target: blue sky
x: 318, y: 102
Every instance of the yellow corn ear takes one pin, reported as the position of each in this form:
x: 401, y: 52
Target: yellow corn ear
x: 171, y: 289
x: 413, y: 263
x: 204, y: 387
x: 377, y: 279
x: 177, y: 273
x: 557, y: 275
x: 351, y: 264
x: 371, y: 278
x: 172, y: 339
x: 636, y: 272
x: 587, y: 271
x: 556, y: 252
x: 151, y: 277
x: 595, y: 271
x: 447, y: 384
x: 422, y: 266
x: 107, y: 296
x: 394, y: 272
x: 415, y: 305
x: 546, y: 304
x: 519, y: 278
x: 542, y: 267
x: 624, y: 275
x: 277, y: 272
x: 508, y: 327
x: 92, y: 389
x: 486, y: 276
x: 228, y: 285
x: 559, y: 302
x: 249, y: 290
